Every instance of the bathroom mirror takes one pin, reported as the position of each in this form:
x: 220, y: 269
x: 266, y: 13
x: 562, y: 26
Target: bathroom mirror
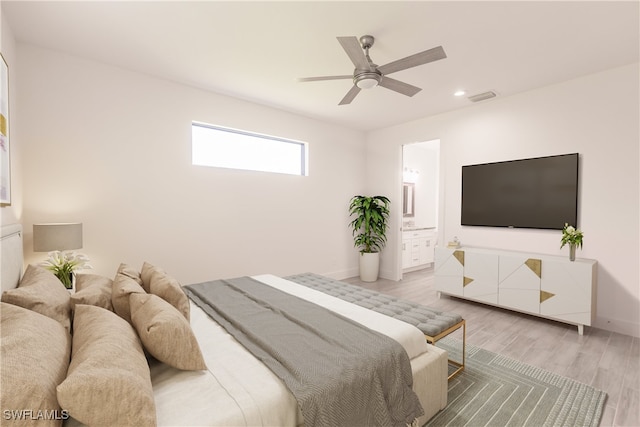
x: 408, y: 199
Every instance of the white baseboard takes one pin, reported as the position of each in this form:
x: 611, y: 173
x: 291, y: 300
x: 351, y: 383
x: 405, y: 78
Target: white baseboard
x: 342, y: 274
x: 355, y: 272
x: 619, y: 326
x: 387, y: 274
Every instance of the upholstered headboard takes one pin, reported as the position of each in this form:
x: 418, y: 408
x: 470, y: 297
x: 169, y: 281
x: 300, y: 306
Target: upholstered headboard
x: 11, y: 254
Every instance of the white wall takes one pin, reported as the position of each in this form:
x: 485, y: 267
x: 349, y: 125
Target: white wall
x: 597, y: 116
x: 111, y: 148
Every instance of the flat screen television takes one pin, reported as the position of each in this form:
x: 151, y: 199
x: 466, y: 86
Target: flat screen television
x: 539, y: 193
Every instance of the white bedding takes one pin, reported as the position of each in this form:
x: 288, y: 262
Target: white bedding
x: 238, y: 390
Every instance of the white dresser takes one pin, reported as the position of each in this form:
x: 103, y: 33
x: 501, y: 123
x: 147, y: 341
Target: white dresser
x: 418, y: 248
x: 543, y: 285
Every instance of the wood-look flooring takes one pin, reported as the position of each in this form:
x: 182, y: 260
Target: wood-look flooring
x: 605, y: 360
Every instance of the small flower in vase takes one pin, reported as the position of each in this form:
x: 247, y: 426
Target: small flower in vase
x: 573, y: 237
x: 64, y: 264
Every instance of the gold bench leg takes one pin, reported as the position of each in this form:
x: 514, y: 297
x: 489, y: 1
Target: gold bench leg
x: 433, y: 339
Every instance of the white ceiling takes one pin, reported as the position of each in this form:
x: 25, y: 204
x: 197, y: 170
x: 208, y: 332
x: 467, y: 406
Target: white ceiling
x: 257, y: 50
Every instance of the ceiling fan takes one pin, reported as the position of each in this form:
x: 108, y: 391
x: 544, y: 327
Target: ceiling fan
x: 368, y: 75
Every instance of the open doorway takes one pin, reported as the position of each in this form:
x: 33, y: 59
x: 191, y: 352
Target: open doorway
x: 420, y: 197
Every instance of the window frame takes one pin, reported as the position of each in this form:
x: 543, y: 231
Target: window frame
x: 304, y: 148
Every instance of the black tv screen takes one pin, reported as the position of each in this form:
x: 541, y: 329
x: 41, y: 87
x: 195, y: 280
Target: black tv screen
x: 529, y: 193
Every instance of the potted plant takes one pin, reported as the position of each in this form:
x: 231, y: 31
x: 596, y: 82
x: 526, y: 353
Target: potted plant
x: 369, y: 229
x: 64, y: 265
x: 573, y: 237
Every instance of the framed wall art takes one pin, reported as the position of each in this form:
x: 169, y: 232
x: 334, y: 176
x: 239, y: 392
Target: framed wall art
x: 5, y: 152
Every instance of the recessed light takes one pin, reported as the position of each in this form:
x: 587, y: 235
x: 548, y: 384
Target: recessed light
x: 459, y: 93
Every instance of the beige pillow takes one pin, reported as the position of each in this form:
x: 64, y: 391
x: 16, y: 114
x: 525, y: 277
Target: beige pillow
x: 165, y: 333
x: 170, y: 290
x: 34, y: 360
x: 130, y: 272
x: 41, y: 291
x: 123, y: 286
x: 108, y: 383
x: 92, y: 289
x: 146, y: 273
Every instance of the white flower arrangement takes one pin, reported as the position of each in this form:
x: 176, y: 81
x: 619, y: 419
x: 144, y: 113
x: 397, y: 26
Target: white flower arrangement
x: 64, y: 264
x: 571, y: 236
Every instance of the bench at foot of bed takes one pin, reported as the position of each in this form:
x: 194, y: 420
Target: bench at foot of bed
x: 433, y: 339
x: 434, y: 324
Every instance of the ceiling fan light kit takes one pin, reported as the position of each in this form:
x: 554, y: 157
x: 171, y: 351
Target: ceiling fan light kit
x: 367, y: 79
x: 368, y: 75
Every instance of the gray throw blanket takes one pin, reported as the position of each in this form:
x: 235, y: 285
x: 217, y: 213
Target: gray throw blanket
x: 340, y: 372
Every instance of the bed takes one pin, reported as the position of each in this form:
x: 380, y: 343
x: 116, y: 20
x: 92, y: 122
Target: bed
x: 233, y: 389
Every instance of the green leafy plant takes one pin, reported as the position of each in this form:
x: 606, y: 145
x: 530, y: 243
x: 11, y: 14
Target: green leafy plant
x: 571, y: 236
x: 63, y: 264
x: 369, y: 226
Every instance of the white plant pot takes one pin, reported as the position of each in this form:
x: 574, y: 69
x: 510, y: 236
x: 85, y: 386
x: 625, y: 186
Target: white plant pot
x: 369, y: 266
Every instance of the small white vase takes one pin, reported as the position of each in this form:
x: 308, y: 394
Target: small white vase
x: 369, y: 266
x: 72, y: 289
x: 572, y: 252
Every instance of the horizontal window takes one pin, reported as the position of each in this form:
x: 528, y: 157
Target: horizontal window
x: 230, y: 148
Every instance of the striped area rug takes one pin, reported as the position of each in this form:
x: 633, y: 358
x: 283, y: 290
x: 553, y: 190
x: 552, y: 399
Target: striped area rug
x: 494, y: 390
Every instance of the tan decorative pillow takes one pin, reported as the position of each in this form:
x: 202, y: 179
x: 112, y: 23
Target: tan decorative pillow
x: 34, y: 360
x: 170, y: 290
x: 146, y: 273
x: 108, y: 383
x: 92, y: 289
x: 165, y: 333
x: 130, y: 272
x: 41, y: 291
x: 123, y: 286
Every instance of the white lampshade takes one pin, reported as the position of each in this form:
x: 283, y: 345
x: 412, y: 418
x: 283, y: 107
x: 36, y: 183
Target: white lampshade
x: 57, y: 236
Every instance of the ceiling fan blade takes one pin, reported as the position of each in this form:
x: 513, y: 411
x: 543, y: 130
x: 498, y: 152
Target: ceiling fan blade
x: 351, y: 45
x: 398, y: 86
x: 316, y: 79
x: 414, y: 60
x: 350, y: 95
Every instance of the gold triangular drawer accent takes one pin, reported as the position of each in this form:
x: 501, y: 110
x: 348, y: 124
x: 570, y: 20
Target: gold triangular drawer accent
x: 535, y: 265
x: 544, y: 295
x: 466, y: 281
x: 459, y: 255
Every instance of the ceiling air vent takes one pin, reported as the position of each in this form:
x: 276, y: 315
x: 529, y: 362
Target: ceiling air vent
x: 482, y: 96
